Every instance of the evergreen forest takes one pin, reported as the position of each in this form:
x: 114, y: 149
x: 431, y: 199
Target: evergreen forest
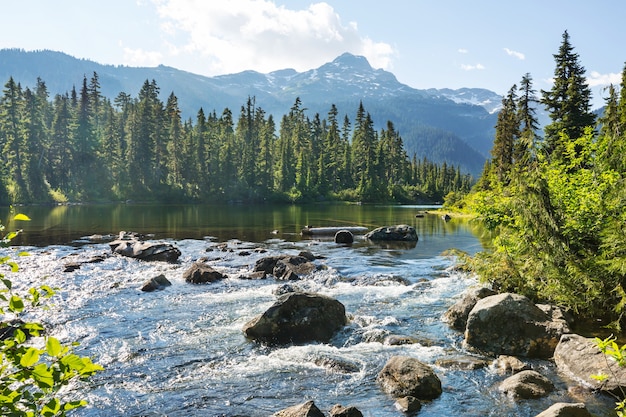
x: 555, y: 203
x: 83, y: 147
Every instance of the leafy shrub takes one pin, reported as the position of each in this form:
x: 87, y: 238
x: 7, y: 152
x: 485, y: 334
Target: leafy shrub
x: 33, y: 366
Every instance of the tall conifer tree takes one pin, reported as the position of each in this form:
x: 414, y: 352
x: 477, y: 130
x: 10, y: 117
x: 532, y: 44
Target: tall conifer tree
x: 569, y: 100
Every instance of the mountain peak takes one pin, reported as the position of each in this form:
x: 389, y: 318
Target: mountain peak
x: 353, y: 61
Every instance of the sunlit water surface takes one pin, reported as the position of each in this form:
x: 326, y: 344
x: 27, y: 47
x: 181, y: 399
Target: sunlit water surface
x: 181, y: 351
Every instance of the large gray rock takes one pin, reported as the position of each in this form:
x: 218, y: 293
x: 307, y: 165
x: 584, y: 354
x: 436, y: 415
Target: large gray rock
x: 308, y: 409
x: 285, y: 267
x: 404, y: 376
x: 128, y: 245
x: 339, y: 410
x: 526, y: 385
x: 156, y: 283
x: 456, y: 315
x: 566, y: 410
x: 579, y: 358
x: 200, y: 273
x: 299, y: 318
x: 401, y: 232
x: 344, y: 236
x: 510, y: 324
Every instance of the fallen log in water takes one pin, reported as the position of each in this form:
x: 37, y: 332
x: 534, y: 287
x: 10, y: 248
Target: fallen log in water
x: 330, y: 231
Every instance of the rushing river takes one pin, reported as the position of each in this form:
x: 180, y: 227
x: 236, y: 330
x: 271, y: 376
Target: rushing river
x: 181, y: 351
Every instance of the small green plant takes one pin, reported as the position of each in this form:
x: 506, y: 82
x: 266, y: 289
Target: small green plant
x: 611, y: 349
x: 34, y: 367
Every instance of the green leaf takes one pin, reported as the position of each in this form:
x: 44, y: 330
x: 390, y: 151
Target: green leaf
x: 53, y: 347
x: 30, y: 358
x: 14, y: 266
x: 52, y: 408
x: 21, y: 217
x: 7, y: 283
x: 33, y: 328
x: 43, y: 376
x: 16, y: 304
x: 19, y: 336
x: 49, y: 291
x: 74, y: 404
x: 23, y: 253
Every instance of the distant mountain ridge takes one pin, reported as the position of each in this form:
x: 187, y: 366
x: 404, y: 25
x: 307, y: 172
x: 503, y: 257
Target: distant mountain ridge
x: 455, y: 126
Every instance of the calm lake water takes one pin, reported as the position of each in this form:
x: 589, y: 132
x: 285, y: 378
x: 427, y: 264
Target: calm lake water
x: 182, y: 352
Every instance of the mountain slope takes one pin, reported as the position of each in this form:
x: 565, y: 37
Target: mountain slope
x: 462, y: 118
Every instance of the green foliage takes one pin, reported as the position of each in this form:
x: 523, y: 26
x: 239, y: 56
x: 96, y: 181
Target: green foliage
x: 557, y: 209
x: 612, y: 350
x: 34, y: 367
x: 83, y: 147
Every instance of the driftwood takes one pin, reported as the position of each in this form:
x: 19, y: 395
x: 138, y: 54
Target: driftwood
x: 330, y: 231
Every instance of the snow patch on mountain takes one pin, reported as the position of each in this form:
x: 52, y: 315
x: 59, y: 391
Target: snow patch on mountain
x: 487, y: 99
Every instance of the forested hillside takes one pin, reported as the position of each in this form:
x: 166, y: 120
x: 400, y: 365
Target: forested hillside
x: 346, y: 82
x: 82, y: 146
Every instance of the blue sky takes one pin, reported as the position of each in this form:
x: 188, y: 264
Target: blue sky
x: 425, y: 43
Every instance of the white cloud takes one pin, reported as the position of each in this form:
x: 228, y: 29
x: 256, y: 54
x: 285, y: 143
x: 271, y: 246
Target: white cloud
x: 139, y: 57
x: 231, y: 36
x: 515, y: 54
x: 596, y: 79
x: 472, y: 67
x: 462, y: 51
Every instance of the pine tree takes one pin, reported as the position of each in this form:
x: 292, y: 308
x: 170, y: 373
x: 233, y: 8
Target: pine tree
x: 526, y: 147
x: 59, y: 155
x: 36, y: 133
x: 568, y: 102
x: 507, y: 134
x: 12, y: 137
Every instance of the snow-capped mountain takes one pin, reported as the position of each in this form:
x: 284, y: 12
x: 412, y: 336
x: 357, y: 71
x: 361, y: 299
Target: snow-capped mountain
x: 487, y: 99
x: 465, y: 117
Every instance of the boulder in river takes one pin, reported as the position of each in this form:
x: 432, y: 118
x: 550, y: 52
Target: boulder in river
x: 404, y: 376
x: 456, y: 315
x: 344, y: 237
x: 298, y: 318
x: 200, y: 273
x: 526, y: 385
x: 401, y: 232
x: 285, y: 267
x: 510, y: 324
x: 339, y: 410
x: 128, y: 245
x: 579, y: 358
x: 565, y: 410
x: 308, y: 409
x: 156, y: 283
x: 408, y: 404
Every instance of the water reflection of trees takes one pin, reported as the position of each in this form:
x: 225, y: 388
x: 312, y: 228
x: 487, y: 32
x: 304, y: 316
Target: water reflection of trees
x: 63, y: 224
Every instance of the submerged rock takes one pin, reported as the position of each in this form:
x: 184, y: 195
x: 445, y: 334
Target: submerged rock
x: 344, y: 237
x: 156, y: 283
x: 200, y: 273
x: 128, y: 245
x: 506, y: 364
x: 308, y: 409
x: 298, y: 318
x: 408, y: 404
x: 566, y: 410
x: 404, y: 376
x: 286, y: 267
x: 341, y: 411
x: 526, y: 385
